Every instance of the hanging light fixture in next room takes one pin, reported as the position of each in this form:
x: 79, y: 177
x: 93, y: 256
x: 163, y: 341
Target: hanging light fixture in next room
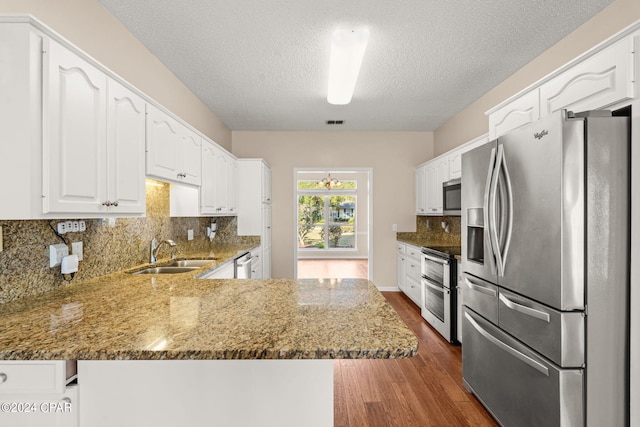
x: 329, y: 183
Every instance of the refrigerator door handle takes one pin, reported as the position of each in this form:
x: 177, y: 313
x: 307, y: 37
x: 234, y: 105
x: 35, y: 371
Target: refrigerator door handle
x: 500, y: 233
x: 479, y: 288
x: 487, y: 200
x: 507, y: 211
x: 493, y: 212
x: 512, y: 351
x: 524, y: 309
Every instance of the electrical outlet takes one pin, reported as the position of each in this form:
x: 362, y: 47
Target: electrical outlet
x: 394, y: 227
x: 1, y: 244
x: 82, y: 226
x: 69, y: 226
x: 62, y: 227
x: 75, y: 227
x: 56, y: 253
x: 76, y: 249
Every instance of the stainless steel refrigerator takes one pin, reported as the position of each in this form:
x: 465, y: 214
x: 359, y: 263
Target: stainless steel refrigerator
x: 545, y: 247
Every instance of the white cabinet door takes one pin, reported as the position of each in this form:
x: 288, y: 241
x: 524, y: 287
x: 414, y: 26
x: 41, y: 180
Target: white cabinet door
x: 189, y: 154
x: 125, y: 145
x: 598, y: 82
x: 521, y: 111
x: 163, y: 138
x: 74, y: 133
x: 402, y: 274
x: 222, y: 182
x: 173, y: 150
x: 233, y: 186
x: 437, y: 173
x: 209, y: 179
x: 266, y: 183
x: 421, y: 190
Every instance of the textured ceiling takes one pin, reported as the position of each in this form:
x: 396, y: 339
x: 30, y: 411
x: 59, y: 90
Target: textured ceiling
x: 263, y: 65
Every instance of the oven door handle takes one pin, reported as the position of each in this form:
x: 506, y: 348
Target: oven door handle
x: 434, y: 259
x: 436, y: 287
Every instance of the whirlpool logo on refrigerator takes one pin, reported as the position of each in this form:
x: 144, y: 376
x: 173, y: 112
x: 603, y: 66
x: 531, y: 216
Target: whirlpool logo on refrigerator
x: 541, y: 134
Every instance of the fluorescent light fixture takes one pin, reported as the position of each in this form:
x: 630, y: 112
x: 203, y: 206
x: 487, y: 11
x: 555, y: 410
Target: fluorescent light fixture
x: 347, y: 51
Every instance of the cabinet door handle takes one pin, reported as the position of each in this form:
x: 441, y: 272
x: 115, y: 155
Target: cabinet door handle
x: 3, y: 377
x: 107, y: 203
x: 115, y: 203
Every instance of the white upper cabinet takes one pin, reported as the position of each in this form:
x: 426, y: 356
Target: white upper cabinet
x: 173, y: 151
x: 437, y: 173
x: 74, y: 133
x: 421, y: 190
x: 219, y: 190
x: 598, y: 82
x: 520, y: 112
x: 93, y: 139
x: 599, y: 79
x: 125, y: 150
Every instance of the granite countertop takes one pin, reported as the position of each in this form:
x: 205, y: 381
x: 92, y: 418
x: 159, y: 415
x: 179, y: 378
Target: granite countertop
x: 176, y: 316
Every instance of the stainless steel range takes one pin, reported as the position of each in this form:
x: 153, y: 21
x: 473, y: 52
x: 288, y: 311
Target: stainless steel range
x: 439, y: 296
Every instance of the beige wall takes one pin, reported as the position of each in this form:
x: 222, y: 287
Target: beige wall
x: 393, y: 157
x: 88, y: 25
x: 472, y: 122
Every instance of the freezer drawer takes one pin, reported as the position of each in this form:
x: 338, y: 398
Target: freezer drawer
x: 557, y: 335
x: 518, y: 386
x: 481, y: 296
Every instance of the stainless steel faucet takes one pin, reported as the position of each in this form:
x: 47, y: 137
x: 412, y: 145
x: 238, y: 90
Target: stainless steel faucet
x: 155, y: 247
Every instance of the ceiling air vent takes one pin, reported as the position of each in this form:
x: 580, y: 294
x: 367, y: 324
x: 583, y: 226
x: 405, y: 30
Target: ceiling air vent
x: 335, y: 122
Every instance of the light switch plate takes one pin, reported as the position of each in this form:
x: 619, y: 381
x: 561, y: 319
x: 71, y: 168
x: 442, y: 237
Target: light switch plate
x: 56, y: 253
x: 189, y: 234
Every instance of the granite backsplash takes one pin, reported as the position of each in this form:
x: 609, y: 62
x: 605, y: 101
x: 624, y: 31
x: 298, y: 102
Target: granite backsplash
x: 108, y: 245
x: 429, y: 228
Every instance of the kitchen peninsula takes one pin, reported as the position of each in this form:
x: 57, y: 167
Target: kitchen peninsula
x: 171, y: 349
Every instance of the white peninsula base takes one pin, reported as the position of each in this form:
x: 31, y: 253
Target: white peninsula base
x: 169, y: 393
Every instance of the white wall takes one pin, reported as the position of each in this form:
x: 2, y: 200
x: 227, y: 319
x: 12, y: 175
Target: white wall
x: 88, y: 25
x: 393, y: 157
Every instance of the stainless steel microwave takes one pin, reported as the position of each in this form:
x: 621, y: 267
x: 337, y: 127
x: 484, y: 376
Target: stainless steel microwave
x: 451, y: 197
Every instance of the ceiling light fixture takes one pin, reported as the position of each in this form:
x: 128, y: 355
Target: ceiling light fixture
x: 347, y: 51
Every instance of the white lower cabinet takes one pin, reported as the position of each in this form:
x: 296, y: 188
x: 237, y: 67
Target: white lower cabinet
x: 409, y: 275
x: 199, y: 393
x: 256, y: 263
x: 34, y: 394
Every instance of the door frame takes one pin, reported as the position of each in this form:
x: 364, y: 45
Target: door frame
x: 369, y: 183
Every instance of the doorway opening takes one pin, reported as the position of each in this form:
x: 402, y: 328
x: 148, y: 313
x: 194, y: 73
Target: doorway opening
x: 332, y: 223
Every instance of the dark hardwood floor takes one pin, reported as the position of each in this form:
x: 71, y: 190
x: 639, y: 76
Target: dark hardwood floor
x: 425, y: 390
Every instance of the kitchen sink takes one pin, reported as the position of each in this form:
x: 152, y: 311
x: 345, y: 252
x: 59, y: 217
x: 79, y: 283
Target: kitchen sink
x: 165, y: 270
x: 189, y: 263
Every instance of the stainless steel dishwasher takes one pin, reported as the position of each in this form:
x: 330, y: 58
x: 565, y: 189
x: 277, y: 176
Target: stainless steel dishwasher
x: 242, y: 266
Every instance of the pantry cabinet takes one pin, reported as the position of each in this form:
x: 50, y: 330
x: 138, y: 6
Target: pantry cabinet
x: 254, y: 204
x: 93, y: 139
x: 173, y: 150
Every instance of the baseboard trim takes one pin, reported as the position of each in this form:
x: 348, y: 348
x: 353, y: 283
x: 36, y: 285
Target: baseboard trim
x: 388, y: 288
